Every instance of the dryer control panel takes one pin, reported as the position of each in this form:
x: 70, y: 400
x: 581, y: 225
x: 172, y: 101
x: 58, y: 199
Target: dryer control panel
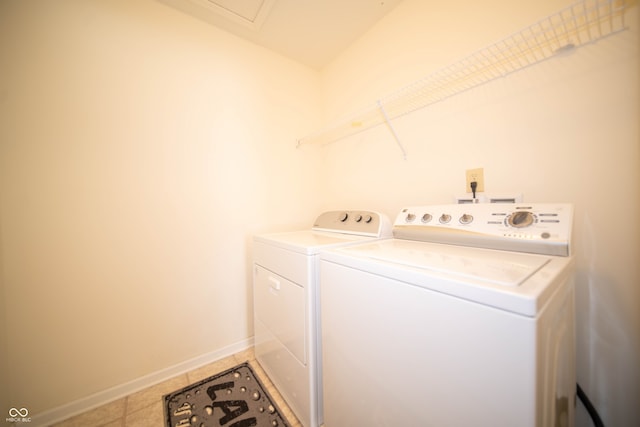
x: 543, y: 228
x: 361, y: 223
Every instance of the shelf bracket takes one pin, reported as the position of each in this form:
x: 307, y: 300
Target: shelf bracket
x: 392, y: 129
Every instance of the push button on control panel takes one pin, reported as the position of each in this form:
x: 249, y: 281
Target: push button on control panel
x: 466, y: 219
x: 445, y: 218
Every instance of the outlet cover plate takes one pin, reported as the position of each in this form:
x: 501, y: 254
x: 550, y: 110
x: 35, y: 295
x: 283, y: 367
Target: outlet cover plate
x: 476, y: 175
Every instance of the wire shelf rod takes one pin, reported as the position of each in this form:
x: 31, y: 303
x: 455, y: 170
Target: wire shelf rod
x: 585, y: 21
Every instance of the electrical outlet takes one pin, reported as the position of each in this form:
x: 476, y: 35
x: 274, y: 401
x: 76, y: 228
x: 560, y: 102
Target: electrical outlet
x: 476, y: 175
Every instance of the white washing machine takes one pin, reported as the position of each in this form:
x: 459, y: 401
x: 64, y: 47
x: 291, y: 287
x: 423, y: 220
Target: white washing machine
x: 285, y: 302
x: 464, y: 318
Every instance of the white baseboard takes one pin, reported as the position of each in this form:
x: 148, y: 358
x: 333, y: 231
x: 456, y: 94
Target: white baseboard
x: 100, y: 398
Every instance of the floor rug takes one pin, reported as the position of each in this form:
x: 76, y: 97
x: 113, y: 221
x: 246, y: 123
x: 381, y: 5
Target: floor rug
x: 233, y: 398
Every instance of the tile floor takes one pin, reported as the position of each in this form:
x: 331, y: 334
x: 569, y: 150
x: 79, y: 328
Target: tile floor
x: 145, y: 408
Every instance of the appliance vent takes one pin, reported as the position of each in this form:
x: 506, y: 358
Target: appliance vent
x: 485, y: 198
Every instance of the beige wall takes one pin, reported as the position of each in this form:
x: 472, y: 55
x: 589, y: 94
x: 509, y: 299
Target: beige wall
x: 140, y: 149
x: 563, y: 130
x: 4, y: 363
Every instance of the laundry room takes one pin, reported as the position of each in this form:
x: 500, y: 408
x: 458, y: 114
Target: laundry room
x: 142, y: 148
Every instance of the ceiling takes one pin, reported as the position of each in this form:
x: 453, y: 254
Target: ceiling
x: 312, y: 32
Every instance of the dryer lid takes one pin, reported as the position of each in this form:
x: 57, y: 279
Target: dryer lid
x: 310, y: 242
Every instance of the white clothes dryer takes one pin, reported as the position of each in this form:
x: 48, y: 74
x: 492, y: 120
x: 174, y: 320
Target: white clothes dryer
x: 285, y: 278
x: 464, y: 318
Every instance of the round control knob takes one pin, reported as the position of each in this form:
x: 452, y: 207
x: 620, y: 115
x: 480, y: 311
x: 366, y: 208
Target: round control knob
x: 368, y: 218
x: 359, y: 218
x: 520, y: 219
x: 445, y: 218
x: 466, y: 219
x: 410, y: 217
x: 343, y: 216
x: 426, y: 218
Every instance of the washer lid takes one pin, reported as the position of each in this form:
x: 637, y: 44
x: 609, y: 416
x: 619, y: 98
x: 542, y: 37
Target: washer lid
x: 518, y: 282
x: 310, y: 242
x: 507, y: 269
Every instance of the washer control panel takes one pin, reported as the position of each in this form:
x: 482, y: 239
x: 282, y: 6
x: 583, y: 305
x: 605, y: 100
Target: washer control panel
x: 543, y: 228
x: 362, y: 223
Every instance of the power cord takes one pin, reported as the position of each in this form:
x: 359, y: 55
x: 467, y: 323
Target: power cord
x: 597, y: 421
x: 474, y: 185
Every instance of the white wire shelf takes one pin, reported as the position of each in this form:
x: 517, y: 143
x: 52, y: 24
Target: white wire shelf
x: 581, y: 23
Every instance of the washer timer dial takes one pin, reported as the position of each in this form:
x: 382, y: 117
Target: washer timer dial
x: 521, y: 219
